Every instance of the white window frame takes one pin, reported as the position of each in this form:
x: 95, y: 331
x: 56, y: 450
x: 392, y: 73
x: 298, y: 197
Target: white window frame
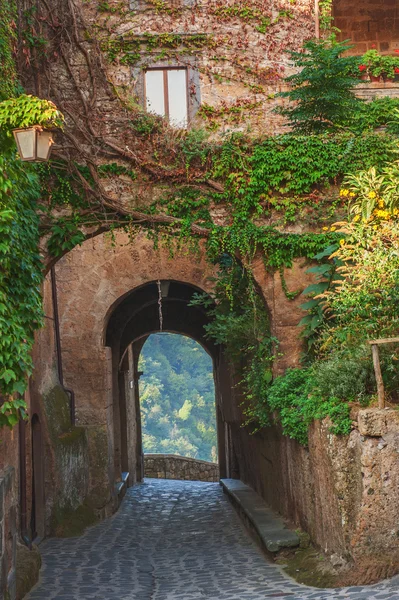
x: 165, y: 70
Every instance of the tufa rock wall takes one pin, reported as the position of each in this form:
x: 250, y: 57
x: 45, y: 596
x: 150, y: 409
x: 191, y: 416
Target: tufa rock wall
x: 344, y: 491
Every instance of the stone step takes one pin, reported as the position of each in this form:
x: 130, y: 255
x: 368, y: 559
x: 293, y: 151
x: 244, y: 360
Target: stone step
x: 269, y: 526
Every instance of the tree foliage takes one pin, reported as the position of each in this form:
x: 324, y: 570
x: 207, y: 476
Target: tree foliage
x: 322, y: 88
x: 177, y: 398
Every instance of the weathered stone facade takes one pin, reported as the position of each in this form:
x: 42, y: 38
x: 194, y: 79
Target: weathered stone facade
x: 368, y: 24
x: 8, y: 533
x: 240, y: 60
x: 342, y: 490
x: 172, y: 466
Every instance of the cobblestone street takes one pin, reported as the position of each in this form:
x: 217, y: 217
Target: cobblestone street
x: 173, y: 540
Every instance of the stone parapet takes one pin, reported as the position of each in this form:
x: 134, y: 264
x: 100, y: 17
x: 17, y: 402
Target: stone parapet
x: 172, y: 466
x: 372, y: 90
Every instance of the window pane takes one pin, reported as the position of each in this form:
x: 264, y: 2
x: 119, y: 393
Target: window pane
x: 177, y: 89
x: 155, y: 100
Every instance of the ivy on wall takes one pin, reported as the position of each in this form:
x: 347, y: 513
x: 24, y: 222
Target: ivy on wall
x: 8, y: 40
x: 21, y: 267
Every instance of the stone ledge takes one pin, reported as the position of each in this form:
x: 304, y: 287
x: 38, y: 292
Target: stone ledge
x: 173, y: 466
x: 378, y: 85
x: 269, y: 526
x: 179, y: 457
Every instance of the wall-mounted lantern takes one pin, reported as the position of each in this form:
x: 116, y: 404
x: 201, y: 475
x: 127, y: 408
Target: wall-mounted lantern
x: 34, y: 143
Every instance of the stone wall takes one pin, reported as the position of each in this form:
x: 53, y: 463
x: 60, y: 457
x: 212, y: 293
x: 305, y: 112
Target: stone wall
x: 369, y: 91
x: 344, y: 491
x: 368, y: 23
x: 172, y: 466
x: 63, y: 456
x: 8, y: 533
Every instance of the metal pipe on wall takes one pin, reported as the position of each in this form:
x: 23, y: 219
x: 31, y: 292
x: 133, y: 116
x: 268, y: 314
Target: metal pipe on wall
x: 22, y: 484
x: 57, y: 334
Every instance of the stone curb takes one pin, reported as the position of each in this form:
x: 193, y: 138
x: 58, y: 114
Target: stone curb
x: 269, y: 526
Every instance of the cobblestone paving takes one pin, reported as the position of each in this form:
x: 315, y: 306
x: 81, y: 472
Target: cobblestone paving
x: 174, y: 540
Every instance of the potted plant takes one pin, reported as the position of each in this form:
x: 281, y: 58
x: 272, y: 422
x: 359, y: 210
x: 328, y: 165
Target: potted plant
x: 364, y: 75
x: 373, y: 60
x: 31, y: 121
x: 388, y: 66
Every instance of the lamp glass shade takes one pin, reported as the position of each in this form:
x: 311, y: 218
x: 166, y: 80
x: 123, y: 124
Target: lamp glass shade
x: 34, y: 143
x: 44, y: 143
x: 26, y: 142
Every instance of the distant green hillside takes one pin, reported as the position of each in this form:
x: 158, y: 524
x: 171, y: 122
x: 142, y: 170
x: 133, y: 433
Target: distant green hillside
x: 177, y: 397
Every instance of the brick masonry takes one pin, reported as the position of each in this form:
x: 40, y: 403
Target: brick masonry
x: 368, y: 23
x: 172, y: 466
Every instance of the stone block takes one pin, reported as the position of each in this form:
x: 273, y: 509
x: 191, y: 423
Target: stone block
x: 372, y: 422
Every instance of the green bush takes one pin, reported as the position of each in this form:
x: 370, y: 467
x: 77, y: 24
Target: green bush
x: 296, y: 164
x: 297, y: 401
x: 380, y: 112
x: 321, y: 92
x: 349, y: 378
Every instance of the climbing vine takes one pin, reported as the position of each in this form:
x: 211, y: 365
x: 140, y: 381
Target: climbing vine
x: 8, y: 40
x: 21, y: 267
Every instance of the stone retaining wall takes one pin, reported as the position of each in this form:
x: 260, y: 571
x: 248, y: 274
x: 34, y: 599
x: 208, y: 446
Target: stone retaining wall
x: 172, y: 466
x: 342, y: 490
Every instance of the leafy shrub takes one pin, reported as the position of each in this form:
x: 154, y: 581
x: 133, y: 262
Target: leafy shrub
x: 145, y: 124
x: 298, y: 401
x: 26, y: 110
x: 347, y: 377
x: 380, y: 112
x: 322, y: 90
x: 296, y: 164
x: 327, y: 276
x: 195, y: 147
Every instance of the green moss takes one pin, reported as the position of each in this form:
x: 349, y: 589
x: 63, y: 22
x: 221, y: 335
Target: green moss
x: 98, y: 449
x: 309, y: 567
x: 28, y: 568
x: 56, y: 404
x: 77, y: 434
x: 72, y: 523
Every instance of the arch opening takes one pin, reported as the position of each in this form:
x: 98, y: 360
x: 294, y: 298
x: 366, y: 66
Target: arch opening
x: 157, y: 306
x: 177, y: 398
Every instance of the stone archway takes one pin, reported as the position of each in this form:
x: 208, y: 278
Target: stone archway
x: 146, y: 310
x: 108, y: 305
